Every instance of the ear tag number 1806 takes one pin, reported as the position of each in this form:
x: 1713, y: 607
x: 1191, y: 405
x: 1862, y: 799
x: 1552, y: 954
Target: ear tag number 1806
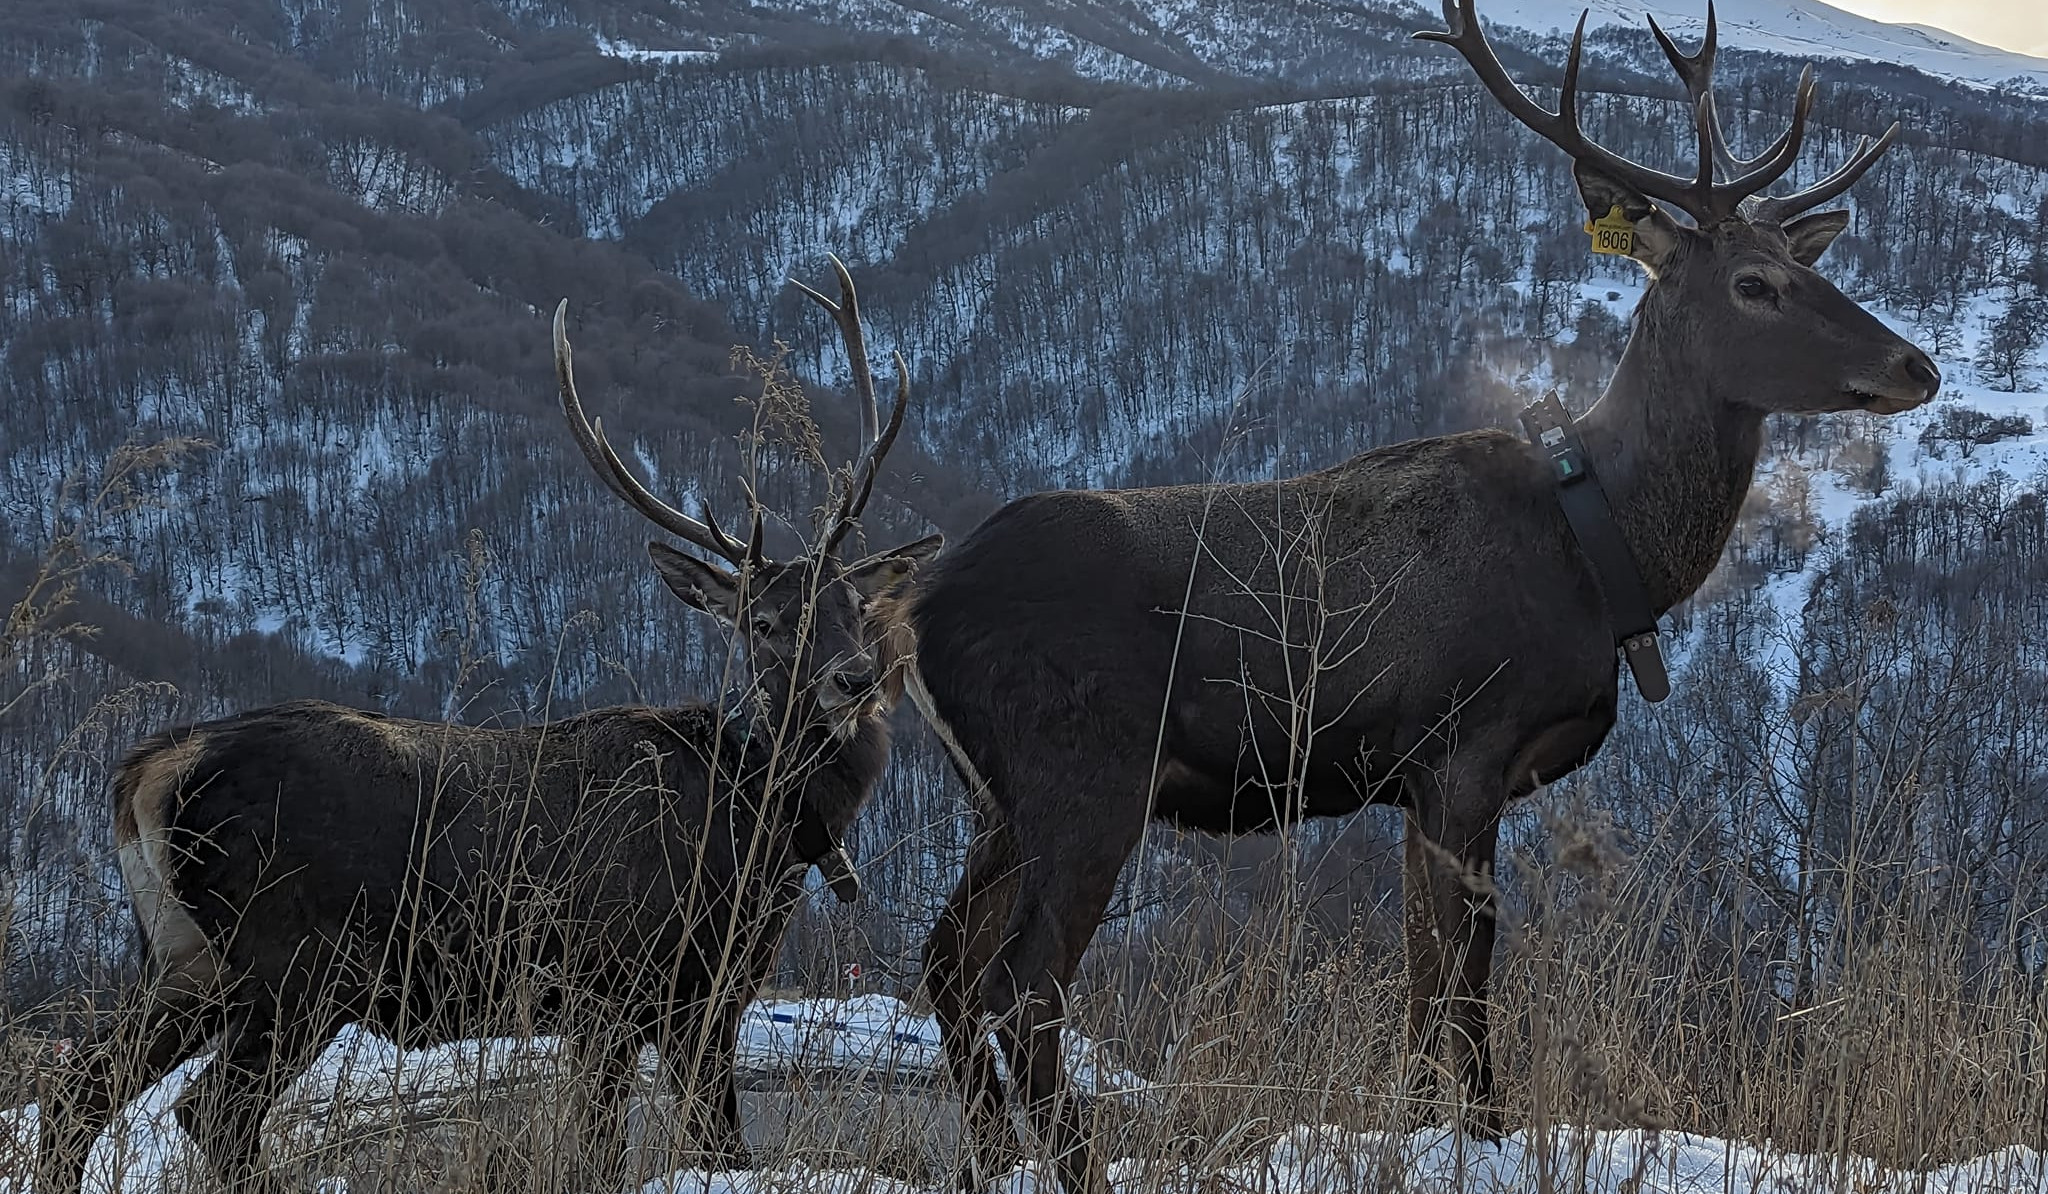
x: 1613, y: 233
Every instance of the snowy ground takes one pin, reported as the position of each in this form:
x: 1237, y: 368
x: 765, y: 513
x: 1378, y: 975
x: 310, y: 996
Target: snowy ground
x: 361, y: 1077
x: 878, y: 1033
x: 1330, y: 1161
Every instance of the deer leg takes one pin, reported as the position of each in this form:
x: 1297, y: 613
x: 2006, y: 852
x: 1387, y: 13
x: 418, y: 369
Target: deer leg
x: 172, y: 1021
x: 610, y: 1065
x: 1425, y: 980
x: 709, y: 1085
x: 1448, y: 902
x: 261, y: 1051
x: 956, y: 956
x: 1063, y: 890
x: 707, y: 1090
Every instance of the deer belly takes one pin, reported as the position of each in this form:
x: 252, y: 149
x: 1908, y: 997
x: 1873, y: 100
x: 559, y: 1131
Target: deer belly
x: 1246, y: 801
x: 1193, y: 798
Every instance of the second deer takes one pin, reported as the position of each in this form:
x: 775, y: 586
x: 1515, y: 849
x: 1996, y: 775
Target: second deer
x: 622, y: 878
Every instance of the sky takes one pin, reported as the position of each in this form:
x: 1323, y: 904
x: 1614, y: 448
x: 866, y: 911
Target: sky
x: 2010, y: 24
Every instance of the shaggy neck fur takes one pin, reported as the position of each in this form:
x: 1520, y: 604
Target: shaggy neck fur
x: 846, y: 770
x: 834, y: 770
x: 1675, y: 455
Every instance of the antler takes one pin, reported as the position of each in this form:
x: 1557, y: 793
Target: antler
x: 876, y: 439
x: 589, y: 436
x: 1779, y: 208
x: 1697, y: 72
x: 1705, y: 200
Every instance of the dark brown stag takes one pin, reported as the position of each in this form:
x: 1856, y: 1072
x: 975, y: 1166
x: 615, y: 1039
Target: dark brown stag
x: 1416, y: 625
x: 622, y: 877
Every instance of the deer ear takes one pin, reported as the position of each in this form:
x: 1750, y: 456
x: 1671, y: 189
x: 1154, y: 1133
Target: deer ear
x: 1657, y: 236
x: 880, y: 571
x: 704, y: 586
x: 1809, y: 236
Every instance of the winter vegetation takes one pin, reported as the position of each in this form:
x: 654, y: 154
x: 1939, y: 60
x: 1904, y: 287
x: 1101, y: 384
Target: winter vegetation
x: 280, y: 423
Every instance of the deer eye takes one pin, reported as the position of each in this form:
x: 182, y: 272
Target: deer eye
x: 764, y: 625
x: 1753, y: 287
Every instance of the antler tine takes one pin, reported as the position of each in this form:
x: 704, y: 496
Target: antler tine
x: 1782, y: 153
x: 875, y: 439
x: 1568, y: 87
x: 846, y: 313
x: 612, y: 470
x: 1560, y: 128
x: 862, y: 482
x: 1781, y: 208
x: 753, y: 553
x: 1696, y: 71
x: 1696, y: 68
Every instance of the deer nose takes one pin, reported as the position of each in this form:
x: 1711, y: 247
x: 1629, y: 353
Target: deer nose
x: 1920, y: 367
x: 853, y: 682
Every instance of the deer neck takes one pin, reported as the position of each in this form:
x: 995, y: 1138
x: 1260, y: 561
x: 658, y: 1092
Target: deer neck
x: 1676, y: 458
x: 839, y: 771
x: 833, y: 771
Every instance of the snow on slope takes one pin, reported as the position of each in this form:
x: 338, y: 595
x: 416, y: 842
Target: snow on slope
x: 633, y: 53
x: 1834, y: 501
x: 1224, y: 33
x: 1806, y: 29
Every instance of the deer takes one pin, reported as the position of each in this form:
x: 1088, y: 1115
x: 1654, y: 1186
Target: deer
x: 622, y: 877
x: 1414, y: 626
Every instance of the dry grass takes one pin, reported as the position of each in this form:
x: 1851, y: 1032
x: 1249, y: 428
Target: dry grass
x: 1620, y: 1000
x: 1615, y: 1005
x: 1607, y: 1015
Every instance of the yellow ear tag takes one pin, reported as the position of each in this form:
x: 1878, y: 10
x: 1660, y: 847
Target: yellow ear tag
x: 1613, y: 233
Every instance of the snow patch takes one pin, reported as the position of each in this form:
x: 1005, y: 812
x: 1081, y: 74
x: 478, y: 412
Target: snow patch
x: 31, y: 189
x: 1306, y: 1159
x: 875, y: 1034
x: 633, y: 53
x: 361, y: 1076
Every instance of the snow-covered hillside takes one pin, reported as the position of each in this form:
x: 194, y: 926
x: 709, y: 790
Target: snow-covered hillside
x: 1935, y: 445
x: 1977, y: 430
x: 1805, y: 29
x: 1155, y: 41
x: 1145, y: 242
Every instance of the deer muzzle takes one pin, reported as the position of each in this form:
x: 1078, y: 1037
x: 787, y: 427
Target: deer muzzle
x: 848, y: 693
x: 1911, y: 380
